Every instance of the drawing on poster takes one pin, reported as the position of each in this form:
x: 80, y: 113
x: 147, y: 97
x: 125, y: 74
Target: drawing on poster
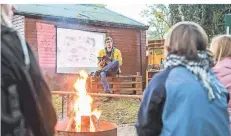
x: 77, y: 49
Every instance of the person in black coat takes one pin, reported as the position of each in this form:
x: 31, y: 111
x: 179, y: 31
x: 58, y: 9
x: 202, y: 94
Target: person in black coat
x: 26, y: 103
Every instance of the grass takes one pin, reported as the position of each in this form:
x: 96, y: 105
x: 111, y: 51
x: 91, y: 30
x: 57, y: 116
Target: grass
x: 120, y: 111
x: 57, y: 103
x: 117, y: 110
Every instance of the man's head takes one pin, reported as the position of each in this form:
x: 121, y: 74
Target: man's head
x: 109, y: 43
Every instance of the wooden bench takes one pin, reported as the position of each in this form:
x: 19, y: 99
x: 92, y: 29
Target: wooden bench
x: 119, y: 84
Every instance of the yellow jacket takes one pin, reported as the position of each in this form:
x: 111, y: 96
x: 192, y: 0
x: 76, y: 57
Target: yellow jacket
x: 115, y: 56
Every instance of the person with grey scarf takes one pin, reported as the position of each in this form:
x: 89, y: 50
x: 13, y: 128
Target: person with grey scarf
x: 186, y: 98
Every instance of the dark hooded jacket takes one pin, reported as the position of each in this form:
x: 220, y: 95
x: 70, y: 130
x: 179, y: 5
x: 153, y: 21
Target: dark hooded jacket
x: 26, y: 106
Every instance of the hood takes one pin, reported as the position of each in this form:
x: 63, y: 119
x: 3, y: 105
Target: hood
x: 223, y: 72
x: 5, y: 29
x: 225, y: 63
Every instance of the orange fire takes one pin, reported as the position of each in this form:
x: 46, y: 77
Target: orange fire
x: 82, y: 105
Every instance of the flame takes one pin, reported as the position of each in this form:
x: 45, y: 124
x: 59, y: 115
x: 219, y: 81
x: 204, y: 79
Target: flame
x: 82, y: 105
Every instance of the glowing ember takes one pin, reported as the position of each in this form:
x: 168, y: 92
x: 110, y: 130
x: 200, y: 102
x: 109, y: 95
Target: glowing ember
x: 82, y: 105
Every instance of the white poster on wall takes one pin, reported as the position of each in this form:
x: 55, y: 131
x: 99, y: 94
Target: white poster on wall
x: 77, y: 49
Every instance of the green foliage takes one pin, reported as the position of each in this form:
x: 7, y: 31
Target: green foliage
x: 158, y: 19
x: 209, y: 16
x: 174, y: 14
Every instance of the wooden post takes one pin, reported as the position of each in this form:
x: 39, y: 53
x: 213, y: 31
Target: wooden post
x: 109, y: 80
x: 68, y: 106
x: 134, y: 85
x: 147, y: 78
x: 138, y: 85
x: 95, y: 122
x: 69, y: 124
x: 116, y: 85
x: 94, y: 86
x: 70, y: 102
x: 85, y: 123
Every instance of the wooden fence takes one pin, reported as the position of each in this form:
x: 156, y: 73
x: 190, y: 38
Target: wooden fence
x: 119, y: 85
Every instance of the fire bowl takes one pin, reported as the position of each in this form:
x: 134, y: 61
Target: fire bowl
x: 106, y: 129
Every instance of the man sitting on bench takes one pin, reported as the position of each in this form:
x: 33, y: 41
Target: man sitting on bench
x: 110, y: 60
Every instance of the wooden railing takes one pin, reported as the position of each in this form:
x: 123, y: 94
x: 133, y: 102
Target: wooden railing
x: 119, y: 85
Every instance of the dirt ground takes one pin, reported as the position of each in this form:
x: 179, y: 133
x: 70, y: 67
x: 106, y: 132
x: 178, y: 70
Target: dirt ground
x: 126, y: 130
x: 123, y: 112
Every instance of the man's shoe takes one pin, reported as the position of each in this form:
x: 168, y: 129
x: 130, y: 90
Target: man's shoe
x: 108, y: 98
x: 109, y: 92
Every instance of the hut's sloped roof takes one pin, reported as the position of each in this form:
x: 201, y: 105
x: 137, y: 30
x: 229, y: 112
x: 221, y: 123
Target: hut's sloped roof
x: 89, y: 12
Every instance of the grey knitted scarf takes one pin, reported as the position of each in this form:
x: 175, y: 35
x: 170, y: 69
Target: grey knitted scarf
x: 200, y: 69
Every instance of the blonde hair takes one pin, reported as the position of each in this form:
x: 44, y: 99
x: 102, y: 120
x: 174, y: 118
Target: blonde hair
x: 221, y: 47
x: 185, y: 39
x: 6, y: 19
x: 108, y: 38
x: 5, y: 14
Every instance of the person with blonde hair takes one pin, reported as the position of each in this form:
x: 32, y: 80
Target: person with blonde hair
x: 110, y: 61
x: 186, y: 98
x: 26, y: 106
x: 221, y: 48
